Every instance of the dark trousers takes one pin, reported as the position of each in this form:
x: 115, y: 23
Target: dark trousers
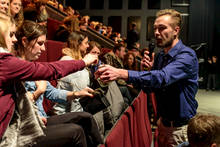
x: 211, y: 84
x: 77, y: 129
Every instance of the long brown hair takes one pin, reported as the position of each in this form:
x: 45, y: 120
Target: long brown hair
x: 73, y: 42
x: 31, y: 30
x: 19, y: 17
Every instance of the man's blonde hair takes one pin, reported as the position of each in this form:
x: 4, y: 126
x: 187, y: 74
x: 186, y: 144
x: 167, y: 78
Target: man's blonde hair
x: 176, y: 16
x: 5, y: 23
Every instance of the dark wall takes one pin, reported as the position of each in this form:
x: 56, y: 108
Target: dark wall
x: 216, y: 47
x: 201, y: 23
x: 204, y: 27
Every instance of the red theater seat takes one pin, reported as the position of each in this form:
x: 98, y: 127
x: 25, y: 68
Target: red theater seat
x: 53, y: 53
x: 54, y: 50
x: 133, y: 129
x: 52, y: 26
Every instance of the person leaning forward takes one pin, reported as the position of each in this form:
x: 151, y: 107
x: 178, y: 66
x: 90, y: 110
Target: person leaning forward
x: 173, y: 78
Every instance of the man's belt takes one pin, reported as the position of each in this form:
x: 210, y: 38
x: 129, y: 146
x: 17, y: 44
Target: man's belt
x: 174, y: 123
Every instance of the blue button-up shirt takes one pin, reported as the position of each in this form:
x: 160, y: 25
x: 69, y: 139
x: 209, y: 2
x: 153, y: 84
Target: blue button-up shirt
x: 174, y: 80
x: 51, y: 93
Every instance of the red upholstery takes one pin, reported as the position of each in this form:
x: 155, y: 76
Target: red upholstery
x: 120, y: 135
x: 154, y: 103
x: 53, y: 53
x: 133, y: 129
x: 52, y: 26
x: 156, y: 133
x: 54, y: 50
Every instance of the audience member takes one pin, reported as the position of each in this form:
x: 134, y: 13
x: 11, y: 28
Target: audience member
x: 16, y: 109
x: 173, y: 78
x: 86, y: 18
x: 69, y: 11
x: 132, y: 36
x: 4, y: 6
x: 203, y: 131
x: 115, y: 59
x: 30, y: 49
x: 83, y: 25
x: 212, y: 71
x: 109, y: 31
x: 70, y: 24
x: 129, y: 61
x: 32, y: 14
x: 76, y: 47
x: 16, y: 10
x: 113, y: 94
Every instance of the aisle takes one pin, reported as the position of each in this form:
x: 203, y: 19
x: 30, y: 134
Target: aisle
x: 209, y: 101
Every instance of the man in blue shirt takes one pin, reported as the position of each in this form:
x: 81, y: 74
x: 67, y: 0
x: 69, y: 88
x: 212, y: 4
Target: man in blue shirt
x: 173, y: 78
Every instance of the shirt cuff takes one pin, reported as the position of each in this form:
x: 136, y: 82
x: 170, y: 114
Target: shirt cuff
x: 132, y: 76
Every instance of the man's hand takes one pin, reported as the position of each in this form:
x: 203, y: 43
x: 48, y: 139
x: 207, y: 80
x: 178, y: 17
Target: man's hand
x: 108, y: 73
x: 90, y: 59
x: 147, y: 62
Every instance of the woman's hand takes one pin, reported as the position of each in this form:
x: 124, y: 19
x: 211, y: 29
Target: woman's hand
x: 80, y: 94
x: 85, y: 92
x: 44, y: 120
x: 90, y: 59
x: 41, y: 86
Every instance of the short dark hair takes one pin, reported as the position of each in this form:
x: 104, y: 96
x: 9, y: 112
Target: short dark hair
x: 118, y: 47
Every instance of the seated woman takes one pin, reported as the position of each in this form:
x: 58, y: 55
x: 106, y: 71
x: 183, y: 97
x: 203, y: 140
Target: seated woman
x: 16, y: 10
x: 113, y: 94
x: 77, y: 45
x: 129, y: 61
x: 70, y: 24
x: 17, y: 114
x: 4, y: 6
x: 30, y: 49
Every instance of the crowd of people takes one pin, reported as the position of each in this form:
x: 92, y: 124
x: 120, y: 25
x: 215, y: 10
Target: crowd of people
x: 84, y: 72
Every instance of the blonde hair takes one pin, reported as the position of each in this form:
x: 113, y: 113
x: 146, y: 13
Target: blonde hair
x: 176, y: 16
x: 73, y: 43
x: 71, y: 23
x: 5, y: 23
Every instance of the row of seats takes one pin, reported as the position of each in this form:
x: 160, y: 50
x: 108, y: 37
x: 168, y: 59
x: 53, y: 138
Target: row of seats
x: 133, y: 129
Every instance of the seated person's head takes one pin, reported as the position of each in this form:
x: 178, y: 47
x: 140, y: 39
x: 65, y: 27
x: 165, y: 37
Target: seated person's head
x: 119, y: 50
x: 71, y: 23
x: 204, y: 131
x: 32, y: 14
x: 31, y: 38
x: 4, y: 6
x: 77, y: 44
x: 94, y: 48
x: 7, y: 32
